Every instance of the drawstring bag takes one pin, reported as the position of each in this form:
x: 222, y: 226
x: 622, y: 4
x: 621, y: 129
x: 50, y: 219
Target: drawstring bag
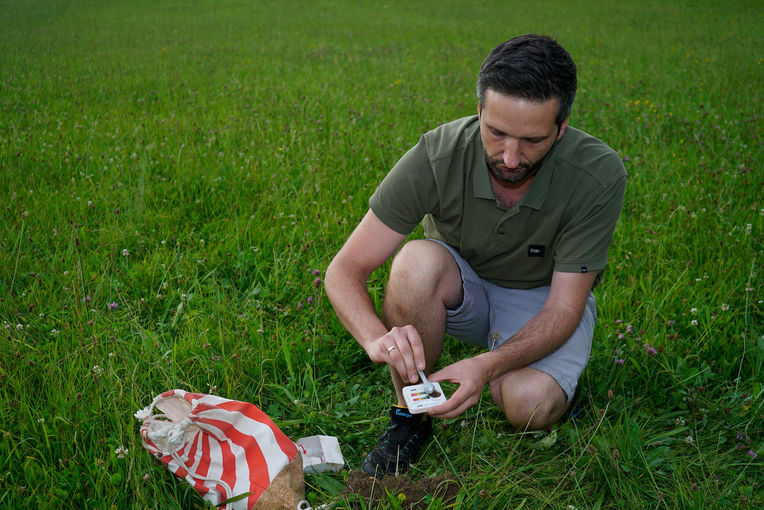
x: 230, y: 451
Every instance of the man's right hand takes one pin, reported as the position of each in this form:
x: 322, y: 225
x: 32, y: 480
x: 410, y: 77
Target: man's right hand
x: 402, y: 349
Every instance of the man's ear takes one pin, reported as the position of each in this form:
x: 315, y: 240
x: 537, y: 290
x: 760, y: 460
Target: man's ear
x: 479, y: 109
x: 563, y: 127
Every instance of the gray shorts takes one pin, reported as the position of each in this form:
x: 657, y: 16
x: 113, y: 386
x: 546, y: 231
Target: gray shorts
x: 491, y: 314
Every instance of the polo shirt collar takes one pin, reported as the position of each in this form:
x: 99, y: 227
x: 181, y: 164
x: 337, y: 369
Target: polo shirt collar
x: 536, y: 194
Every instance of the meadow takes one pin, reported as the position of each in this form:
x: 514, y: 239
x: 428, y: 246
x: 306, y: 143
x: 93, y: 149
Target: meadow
x: 176, y: 176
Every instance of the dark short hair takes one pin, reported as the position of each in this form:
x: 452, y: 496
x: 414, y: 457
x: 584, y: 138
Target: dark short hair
x: 532, y: 67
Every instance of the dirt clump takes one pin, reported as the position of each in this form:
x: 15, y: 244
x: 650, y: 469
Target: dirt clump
x: 412, y: 495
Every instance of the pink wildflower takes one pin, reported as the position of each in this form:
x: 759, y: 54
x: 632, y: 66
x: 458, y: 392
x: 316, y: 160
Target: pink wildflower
x: 651, y: 350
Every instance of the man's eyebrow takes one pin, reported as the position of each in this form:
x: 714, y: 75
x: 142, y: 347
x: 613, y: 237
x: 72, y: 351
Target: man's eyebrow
x: 498, y: 131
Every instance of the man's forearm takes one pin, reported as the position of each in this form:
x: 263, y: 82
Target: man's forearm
x: 539, y: 337
x: 352, y: 304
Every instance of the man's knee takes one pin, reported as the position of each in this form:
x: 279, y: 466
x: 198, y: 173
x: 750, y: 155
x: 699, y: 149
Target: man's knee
x: 412, y: 265
x: 529, y: 400
x: 425, y: 270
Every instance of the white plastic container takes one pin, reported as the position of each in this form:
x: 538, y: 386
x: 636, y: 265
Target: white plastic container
x: 320, y: 454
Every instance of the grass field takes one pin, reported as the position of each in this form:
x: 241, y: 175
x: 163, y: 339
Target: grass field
x: 173, y: 173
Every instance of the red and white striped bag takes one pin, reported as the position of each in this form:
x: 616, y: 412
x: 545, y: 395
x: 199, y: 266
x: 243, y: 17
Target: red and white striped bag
x: 225, y: 449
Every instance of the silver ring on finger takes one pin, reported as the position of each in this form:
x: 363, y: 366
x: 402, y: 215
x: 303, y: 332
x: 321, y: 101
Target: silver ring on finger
x: 391, y: 348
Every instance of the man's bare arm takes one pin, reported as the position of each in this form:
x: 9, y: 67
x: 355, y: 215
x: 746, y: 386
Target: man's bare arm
x: 540, y: 336
x: 367, y: 248
x: 550, y: 328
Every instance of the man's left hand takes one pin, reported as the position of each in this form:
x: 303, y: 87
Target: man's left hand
x: 470, y: 375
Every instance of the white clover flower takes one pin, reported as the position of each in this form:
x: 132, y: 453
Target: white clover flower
x: 97, y: 370
x: 725, y: 307
x: 693, y: 311
x: 694, y: 322
x: 125, y: 252
x: 121, y: 452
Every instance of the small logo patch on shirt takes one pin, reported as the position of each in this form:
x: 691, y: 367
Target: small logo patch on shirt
x: 584, y: 269
x: 536, y: 250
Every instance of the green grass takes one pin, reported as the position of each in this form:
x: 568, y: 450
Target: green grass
x: 194, y: 162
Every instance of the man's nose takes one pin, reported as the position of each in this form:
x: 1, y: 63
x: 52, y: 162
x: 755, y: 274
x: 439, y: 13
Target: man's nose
x: 511, y: 153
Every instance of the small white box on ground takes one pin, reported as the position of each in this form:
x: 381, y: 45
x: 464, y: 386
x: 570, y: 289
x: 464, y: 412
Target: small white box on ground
x: 320, y: 454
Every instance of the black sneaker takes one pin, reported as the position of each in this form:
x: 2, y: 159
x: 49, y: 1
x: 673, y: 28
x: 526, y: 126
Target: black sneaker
x: 399, y: 445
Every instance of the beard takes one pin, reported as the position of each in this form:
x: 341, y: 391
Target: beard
x: 521, y: 172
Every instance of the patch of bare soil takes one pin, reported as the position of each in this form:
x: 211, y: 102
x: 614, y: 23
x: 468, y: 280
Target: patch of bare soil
x: 411, y: 494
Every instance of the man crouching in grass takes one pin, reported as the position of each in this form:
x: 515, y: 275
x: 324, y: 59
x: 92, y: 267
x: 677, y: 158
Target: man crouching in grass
x: 518, y: 209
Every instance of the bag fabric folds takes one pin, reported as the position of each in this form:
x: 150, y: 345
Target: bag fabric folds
x: 225, y: 449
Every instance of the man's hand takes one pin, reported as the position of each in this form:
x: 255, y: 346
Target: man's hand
x: 471, y: 376
x: 402, y: 349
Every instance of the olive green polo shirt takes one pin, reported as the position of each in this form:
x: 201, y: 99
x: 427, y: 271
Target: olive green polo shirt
x: 564, y: 222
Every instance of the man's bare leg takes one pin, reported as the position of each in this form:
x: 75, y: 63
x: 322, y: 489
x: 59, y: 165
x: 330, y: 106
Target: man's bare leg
x: 529, y: 398
x: 424, y: 281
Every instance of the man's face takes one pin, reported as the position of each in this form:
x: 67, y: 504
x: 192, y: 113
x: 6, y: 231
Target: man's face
x: 517, y: 134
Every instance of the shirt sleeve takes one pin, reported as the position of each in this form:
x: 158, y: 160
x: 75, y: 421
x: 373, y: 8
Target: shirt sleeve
x: 407, y: 193
x: 583, y: 245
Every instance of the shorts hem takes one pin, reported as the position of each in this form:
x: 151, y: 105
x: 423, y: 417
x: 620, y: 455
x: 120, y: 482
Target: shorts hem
x: 568, y: 386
